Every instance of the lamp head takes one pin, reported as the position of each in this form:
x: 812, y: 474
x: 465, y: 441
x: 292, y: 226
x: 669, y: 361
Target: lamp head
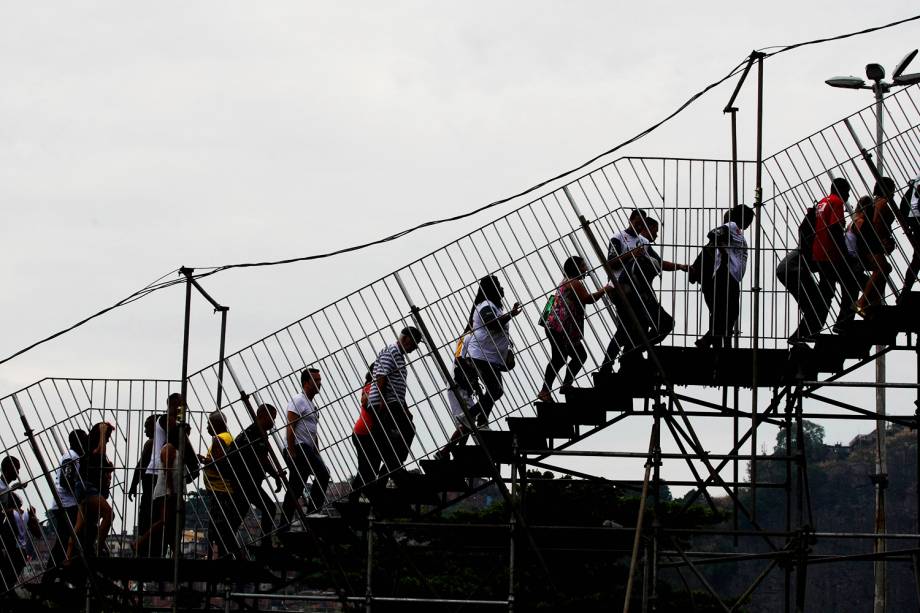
x: 907, y: 79
x: 847, y: 82
x: 902, y: 65
x: 875, y: 72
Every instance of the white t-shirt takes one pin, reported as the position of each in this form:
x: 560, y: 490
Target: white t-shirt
x: 621, y: 243
x: 307, y: 424
x: 736, y: 250
x: 4, y: 493
x: 486, y: 343
x: 915, y: 198
x: 159, y: 439
x: 67, y: 498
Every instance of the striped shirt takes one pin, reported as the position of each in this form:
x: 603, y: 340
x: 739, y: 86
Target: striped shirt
x: 391, y: 363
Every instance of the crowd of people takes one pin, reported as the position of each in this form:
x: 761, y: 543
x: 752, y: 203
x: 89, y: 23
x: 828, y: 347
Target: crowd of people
x: 830, y: 253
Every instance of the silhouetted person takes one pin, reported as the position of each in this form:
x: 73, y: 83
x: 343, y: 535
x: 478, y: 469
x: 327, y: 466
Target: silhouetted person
x: 220, y: 484
x: 94, y: 520
x: 796, y: 273
x: 487, y: 348
x: 874, y: 241
x: 167, y: 438
x: 391, y: 430
x: 830, y: 256
x: 639, y: 264
x: 250, y: 462
x: 146, y: 479
x: 69, y: 488
x: 302, y: 450
x: 565, y: 325
x: 623, y: 249
x: 910, y: 209
x: 362, y: 438
x: 722, y: 289
x: 11, y: 559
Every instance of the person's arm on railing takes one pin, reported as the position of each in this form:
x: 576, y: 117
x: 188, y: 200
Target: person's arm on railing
x: 586, y: 297
x: 140, y: 468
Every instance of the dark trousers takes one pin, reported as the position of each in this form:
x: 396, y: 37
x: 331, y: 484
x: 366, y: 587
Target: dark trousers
x: 145, y: 507
x: 223, y: 520
x: 913, y: 270
x: 722, y: 294
x: 563, y: 348
x: 63, y: 521
x: 850, y: 278
x: 12, y: 560
x: 651, y: 320
x: 308, y: 462
x: 163, y: 529
x: 253, y: 495
x: 380, y: 453
x: 794, y: 273
x: 474, y: 372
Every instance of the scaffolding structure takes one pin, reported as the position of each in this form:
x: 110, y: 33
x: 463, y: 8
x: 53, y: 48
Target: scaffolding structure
x: 657, y: 398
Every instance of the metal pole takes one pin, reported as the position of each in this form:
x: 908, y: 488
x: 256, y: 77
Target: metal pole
x: 637, y: 538
x: 755, y: 323
x: 518, y: 470
x: 180, y: 451
x: 881, y: 464
x: 220, y: 363
x: 368, y: 590
x: 734, y: 117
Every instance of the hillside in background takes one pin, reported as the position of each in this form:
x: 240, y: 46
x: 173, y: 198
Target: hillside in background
x: 842, y: 500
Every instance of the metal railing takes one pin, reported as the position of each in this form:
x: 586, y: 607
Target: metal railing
x: 525, y: 249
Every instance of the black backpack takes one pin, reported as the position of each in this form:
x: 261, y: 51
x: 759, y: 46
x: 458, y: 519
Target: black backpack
x: 807, y: 231
x: 906, y: 198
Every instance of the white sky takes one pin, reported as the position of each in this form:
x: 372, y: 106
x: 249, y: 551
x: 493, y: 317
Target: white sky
x: 138, y: 138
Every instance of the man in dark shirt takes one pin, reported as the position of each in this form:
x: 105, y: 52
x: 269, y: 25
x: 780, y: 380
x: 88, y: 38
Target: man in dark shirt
x: 250, y: 464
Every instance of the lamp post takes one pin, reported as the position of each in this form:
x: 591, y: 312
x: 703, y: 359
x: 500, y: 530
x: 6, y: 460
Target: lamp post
x: 875, y: 73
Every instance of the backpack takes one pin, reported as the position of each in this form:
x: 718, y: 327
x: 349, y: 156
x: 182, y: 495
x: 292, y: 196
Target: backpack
x: 703, y: 267
x: 807, y: 232
x: 904, y: 206
x: 547, y: 309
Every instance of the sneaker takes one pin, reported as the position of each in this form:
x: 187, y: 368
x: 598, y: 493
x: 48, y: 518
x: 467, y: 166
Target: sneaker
x: 317, y: 515
x: 483, y: 427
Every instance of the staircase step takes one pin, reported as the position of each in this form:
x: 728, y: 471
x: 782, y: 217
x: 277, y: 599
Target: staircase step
x: 418, y: 488
x: 571, y: 413
x: 446, y: 475
x: 901, y: 317
x: 604, y: 398
x: 844, y: 347
x: 534, y: 428
x: 876, y: 331
x: 471, y: 461
x: 499, y: 443
x: 710, y: 367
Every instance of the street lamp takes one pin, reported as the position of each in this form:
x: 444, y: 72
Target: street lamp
x: 876, y: 74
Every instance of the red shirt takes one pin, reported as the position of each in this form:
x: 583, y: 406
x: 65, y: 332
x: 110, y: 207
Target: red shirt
x: 830, y: 213
x: 365, y: 420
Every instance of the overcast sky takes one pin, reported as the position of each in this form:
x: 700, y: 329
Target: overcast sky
x: 135, y: 138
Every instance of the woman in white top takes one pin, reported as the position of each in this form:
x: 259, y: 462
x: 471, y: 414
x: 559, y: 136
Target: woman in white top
x: 722, y: 290
x: 486, y: 353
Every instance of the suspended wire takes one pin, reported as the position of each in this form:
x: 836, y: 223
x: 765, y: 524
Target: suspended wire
x: 817, y: 41
x: 141, y: 293
x: 155, y: 286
